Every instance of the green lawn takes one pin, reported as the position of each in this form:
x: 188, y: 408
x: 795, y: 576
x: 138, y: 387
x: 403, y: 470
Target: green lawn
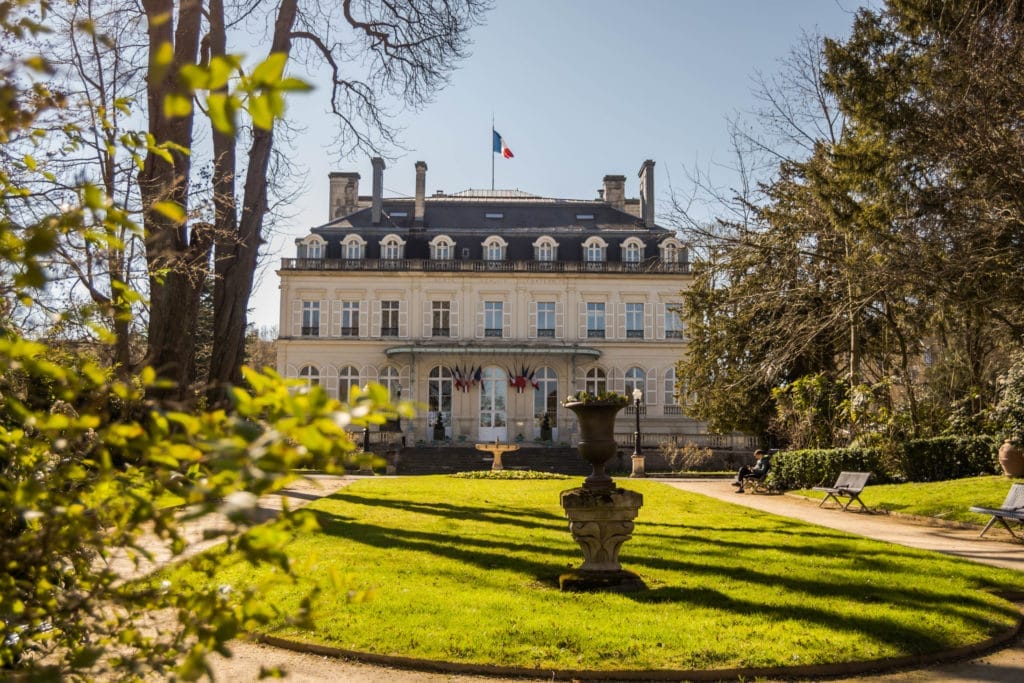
x: 947, y: 500
x: 466, y: 570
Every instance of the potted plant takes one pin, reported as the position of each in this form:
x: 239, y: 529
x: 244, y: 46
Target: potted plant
x: 596, y: 416
x: 1009, y: 415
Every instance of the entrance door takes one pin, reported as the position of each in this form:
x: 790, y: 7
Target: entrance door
x: 493, y: 410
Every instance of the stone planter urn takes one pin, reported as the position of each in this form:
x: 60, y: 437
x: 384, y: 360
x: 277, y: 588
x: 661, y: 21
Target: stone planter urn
x: 1011, y: 459
x: 597, y: 439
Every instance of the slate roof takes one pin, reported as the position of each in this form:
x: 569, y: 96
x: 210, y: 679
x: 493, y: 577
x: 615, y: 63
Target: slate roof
x: 523, y: 219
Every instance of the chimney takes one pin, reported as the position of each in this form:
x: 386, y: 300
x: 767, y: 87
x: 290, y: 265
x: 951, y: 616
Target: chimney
x: 421, y: 191
x: 647, y: 193
x: 343, y: 194
x: 378, y: 189
x: 615, y: 191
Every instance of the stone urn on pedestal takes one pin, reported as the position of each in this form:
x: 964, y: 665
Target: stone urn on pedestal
x: 600, y: 513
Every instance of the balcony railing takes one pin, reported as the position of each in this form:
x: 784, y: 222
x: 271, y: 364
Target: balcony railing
x: 492, y: 332
x: 654, y: 266
x: 313, y: 331
x: 595, y: 334
x: 349, y: 331
x: 546, y: 332
x: 389, y: 331
x: 440, y: 332
x: 634, y: 334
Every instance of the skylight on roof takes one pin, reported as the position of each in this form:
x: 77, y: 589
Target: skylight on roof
x: 399, y: 214
x: 494, y: 215
x: 584, y: 216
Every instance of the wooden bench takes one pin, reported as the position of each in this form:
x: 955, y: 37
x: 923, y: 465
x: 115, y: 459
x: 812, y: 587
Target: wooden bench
x: 848, y: 485
x: 1012, y: 508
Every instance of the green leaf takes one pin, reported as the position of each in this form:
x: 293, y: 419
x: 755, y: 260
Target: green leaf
x: 295, y: 85
x: 195, y: 77
x: 261, y: 113
x: 221, y: 69
x: 270, y: 71
x: 172, y: 210
x: 221, y: 110
x: 177, y: 105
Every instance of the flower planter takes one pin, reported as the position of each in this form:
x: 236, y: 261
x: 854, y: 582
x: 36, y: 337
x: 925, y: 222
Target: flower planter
x: 1011, y: 459
x: 597, y: 439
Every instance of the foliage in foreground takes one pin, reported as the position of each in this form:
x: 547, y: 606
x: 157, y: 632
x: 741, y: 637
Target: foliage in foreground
x: 466, y: 571
x: 944, y: 500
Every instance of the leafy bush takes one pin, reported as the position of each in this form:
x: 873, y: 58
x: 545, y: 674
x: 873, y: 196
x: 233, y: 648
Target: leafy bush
x: 1009, y: 412
x: 817, y: 467
x: 945, y: 457
x: 685, y: 458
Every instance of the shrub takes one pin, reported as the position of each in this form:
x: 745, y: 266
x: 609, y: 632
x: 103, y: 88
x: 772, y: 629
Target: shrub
x: 816, y: 467
x: 685, y: 458
x: 945, y: 457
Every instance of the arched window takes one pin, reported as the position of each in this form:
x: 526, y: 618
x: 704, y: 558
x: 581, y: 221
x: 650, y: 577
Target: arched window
x: 494, y: 248
x: 545, y: 249
x: 310, y: 375
x: 671, y: 397
x: 353, y: 247
x: 442, y: 248
x: 439, y: 398
x: 597, y: 381
x: 632, y: 251
x: 389, y: 378
x: 594, y: 250
x: 348, y: 377
x: 670, y: 250
x: 392, y: 248
x: 314, y: 246
x: 635, y: 378
x: 545, y: 395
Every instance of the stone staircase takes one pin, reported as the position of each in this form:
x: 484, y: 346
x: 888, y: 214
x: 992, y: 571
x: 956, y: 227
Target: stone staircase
x: 448, y: 459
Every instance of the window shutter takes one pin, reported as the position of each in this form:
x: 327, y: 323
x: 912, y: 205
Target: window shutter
x: 651, y: 390
x: 454, y: 319
x: 300, y: 250
x: 580, y: 381
x: 325, y: 317
x: 480, y: 321
x: 582, y: 332
x: 620, y: 327
x: 329, y: 380
x: 662, y: 321
x: 291, y: 372
x: 335, y: 318
x: 559, y: 320
x: 506, y: 320
x: 428, y: 319
x: 369, y: 374
x: 375, y: 320
x: 531, y: 332
x: 297, y: 318
x: 364, y: 319
x: 403, y: 320
x: 648, y: 322
x: 616, y: 380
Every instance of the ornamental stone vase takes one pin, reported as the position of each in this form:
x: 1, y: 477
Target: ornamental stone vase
x: 597, y: 439
x: 1011, y: 459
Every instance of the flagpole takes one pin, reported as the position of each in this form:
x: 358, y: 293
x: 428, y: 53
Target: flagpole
x: 492, y: 152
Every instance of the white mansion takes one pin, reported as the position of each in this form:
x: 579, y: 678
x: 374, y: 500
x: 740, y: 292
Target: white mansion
x: 490, y: 307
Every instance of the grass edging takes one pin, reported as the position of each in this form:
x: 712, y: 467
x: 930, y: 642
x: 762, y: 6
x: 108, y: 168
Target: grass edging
x: 923, y: 520
x: 809, y: 670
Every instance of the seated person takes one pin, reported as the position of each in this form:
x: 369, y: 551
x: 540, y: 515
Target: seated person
x: 758, y: 471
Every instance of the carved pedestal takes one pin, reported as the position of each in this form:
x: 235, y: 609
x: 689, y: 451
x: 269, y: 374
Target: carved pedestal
x: 601, y: 521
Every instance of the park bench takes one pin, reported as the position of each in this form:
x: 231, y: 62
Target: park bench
x: 848, y: 485
x: 1012, y: 508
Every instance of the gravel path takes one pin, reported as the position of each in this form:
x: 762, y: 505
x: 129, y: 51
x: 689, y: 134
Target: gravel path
x: 1006, y: 665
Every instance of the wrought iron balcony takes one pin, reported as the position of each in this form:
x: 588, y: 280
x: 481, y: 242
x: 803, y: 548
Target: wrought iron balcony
x: 654, y: 266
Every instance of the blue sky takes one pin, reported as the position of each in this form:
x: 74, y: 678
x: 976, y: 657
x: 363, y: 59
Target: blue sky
x: 578, y: 89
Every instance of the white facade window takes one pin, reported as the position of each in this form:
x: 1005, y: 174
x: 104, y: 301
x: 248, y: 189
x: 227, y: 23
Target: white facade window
x: 389, y: 318
x: 348, y: 377
x: 389, y: 377
x: 310, y: 375
x: 314, y: 250
x: 546, y: 319
x: 670, y: 250
x: 673, y: 323
x: 349, y: 318
x: 545, y: 396
x: 439, y: 398
x: 673, y: 399
x: 595, y: 320
x: 635, y: 378
x: 545, y: 249
x: 442, y: 248
x: 596, y: 382
x: 494, y: 249
x: 353, y: 248
x: 594, y: 252
x: 441, y: 318
x: 310, y: 318
x: 493, y: 318
x: 391, y: 249
x: 634, y: 321
x: 632, y: 251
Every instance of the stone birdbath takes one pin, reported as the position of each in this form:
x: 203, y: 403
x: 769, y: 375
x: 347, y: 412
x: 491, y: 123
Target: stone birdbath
x: 600, y: 513
x: 497, y: 449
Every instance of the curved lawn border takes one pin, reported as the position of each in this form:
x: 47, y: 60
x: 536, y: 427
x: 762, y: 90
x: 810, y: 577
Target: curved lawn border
x: 807, y: 670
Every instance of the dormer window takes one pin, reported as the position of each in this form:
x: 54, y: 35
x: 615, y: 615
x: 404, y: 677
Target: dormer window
x: 594, y: 250
x: 442, y: 248
x: 312, y: 247
x: 494, y: 248
x: 545, y: 249
x: 392, y: 248
x: 315, y: 250
x: 670, y: 250
x: 353, y: 247
x: 632, y: 251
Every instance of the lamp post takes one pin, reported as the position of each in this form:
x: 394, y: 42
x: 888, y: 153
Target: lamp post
x: 638, y: 458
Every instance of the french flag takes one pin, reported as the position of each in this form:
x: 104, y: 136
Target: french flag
x: 500, y: 147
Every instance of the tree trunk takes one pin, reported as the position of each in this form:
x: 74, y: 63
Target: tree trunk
x: 177, y: 264
x: 237, y: 247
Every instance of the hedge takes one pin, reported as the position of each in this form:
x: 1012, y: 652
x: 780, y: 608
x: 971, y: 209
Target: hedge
x: 935, y: 459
